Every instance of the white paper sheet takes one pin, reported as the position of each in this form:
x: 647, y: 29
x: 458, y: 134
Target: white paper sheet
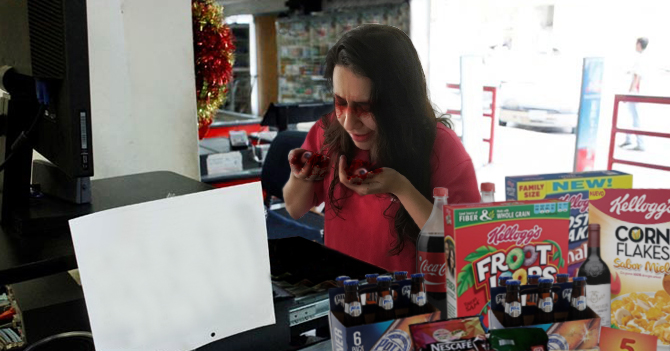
x: 177, y: 273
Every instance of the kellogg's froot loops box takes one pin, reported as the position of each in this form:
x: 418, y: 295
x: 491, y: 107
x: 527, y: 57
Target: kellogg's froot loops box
x: 576, y: 188
x: 485, y: 241
x: 635, y: 244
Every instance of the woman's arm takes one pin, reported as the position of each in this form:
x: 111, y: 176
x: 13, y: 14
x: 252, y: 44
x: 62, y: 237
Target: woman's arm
x: 298, y: 196
x: 418, y: 207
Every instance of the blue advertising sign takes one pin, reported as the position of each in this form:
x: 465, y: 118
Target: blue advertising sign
x: 589, y: 113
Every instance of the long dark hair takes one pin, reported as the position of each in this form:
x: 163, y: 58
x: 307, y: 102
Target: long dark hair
x: 406, y: 120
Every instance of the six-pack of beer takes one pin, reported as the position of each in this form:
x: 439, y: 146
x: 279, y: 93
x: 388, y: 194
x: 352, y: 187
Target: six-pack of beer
x: 531, y: 263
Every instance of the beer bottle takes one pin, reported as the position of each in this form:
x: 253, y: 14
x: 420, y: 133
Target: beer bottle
x: 371, y: 295
x: 531, y: 299
x: 513, y: 316
x: 502, y: 281
x: 400, y: 275
x: 418, y: 295
x: 340, y: 280
x: 385, y: 309
x: 562, y: 277
x: 353, y: 311
x: 545, y: 302
x: 578, y: 299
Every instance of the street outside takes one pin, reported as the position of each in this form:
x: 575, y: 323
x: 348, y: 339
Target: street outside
x: 525, y: 152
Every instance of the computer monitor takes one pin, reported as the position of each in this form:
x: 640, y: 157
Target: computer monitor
x: 44, y: 67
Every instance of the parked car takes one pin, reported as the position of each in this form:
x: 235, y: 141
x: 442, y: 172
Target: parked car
x: 541, y: 91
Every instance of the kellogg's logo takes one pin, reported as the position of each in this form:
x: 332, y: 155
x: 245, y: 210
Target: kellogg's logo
x: 506, y: 233
x: 638, y: 204
x: 576, y: 202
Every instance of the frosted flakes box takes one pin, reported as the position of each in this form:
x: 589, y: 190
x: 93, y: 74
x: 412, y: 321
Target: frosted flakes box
x: 485, y: 241
x: 575, y: 188
x: 635, y: 244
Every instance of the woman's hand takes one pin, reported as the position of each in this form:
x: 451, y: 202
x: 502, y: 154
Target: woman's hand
x: 379, y: 181
x: 308, y: 166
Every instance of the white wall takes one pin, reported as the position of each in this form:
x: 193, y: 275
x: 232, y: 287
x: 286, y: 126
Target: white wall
x: 142, y: 87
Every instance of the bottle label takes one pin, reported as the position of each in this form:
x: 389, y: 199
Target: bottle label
x: 353, y: 308
x: 434, y: 267
x: 419, y: 298
x: 579, y: 303
x: 546, y: 305
x: 513, y: 309
x: 386, y: 302
x: 598, y: 298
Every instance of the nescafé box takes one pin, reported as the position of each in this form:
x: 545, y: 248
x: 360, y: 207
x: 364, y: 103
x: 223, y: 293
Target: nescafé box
x: 635, y: 245
x: 575, y: 188
x: 485, y: 241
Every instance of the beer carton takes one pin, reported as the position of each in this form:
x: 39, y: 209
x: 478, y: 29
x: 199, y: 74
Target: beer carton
x: 575, y: 188
x: 583, y: 334
x: 391, y: 335
x: 484, y: 241
x: 635, y: 244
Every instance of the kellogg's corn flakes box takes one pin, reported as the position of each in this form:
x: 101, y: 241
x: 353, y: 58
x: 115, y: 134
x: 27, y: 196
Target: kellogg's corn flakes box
x: 575, y: 188
x: 485, y: 241
x: 635, y: 244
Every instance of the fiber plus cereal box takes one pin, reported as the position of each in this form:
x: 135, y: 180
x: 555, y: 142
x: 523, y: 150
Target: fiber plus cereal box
x: 485, y: 241
x: 635, y: 244
x: 575, y: 188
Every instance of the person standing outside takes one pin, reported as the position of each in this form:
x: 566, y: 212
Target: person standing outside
x: 637, y: 72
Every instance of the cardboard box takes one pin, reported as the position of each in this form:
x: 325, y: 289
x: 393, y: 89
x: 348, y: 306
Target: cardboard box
x: 483, y: 241
x: 581, y: 334
x: 392, y: 335
x: 635, y: 244
x: 576, y: 188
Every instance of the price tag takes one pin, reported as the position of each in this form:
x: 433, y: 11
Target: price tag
x: 623, y: 340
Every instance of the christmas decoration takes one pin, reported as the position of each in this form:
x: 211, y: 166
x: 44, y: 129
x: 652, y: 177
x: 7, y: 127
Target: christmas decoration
x: 213, y: 49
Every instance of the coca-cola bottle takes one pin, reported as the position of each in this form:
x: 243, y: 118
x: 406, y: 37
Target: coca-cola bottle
x: 430, y: 258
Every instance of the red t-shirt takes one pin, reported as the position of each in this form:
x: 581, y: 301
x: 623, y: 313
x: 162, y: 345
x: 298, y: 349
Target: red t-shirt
x: 361, y: 230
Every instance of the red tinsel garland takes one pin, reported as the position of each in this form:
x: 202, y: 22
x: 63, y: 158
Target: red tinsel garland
x: 213, y: 50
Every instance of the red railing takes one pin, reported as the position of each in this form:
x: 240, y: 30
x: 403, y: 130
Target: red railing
x: 492, y: 115
x: 615, y: 116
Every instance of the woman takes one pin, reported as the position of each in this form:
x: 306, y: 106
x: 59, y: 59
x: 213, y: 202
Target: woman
x: 376, y: 159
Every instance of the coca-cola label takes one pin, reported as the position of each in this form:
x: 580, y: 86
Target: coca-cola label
x: 434, y: 267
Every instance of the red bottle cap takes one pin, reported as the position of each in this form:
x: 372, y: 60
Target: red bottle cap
x: 440, y: 192
x: 488, y: 187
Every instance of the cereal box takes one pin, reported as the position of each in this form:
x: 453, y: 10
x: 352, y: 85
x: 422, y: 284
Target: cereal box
x: 576, y: 188
x: 484, y: 241
x: 635, y: 244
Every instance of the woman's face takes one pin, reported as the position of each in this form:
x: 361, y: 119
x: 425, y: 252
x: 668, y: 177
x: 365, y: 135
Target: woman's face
x: 352, y: 106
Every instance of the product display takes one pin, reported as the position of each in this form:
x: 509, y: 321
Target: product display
x: 464, y: 334
x: 303, y: 42
x: 635, y: 245
x: 487, y: 241
x: 576, y: 188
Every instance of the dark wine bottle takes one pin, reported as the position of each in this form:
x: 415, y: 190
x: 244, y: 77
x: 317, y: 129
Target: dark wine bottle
x: 598, y: 278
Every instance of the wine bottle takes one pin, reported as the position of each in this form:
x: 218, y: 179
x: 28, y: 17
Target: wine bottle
x: 598, y: 278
